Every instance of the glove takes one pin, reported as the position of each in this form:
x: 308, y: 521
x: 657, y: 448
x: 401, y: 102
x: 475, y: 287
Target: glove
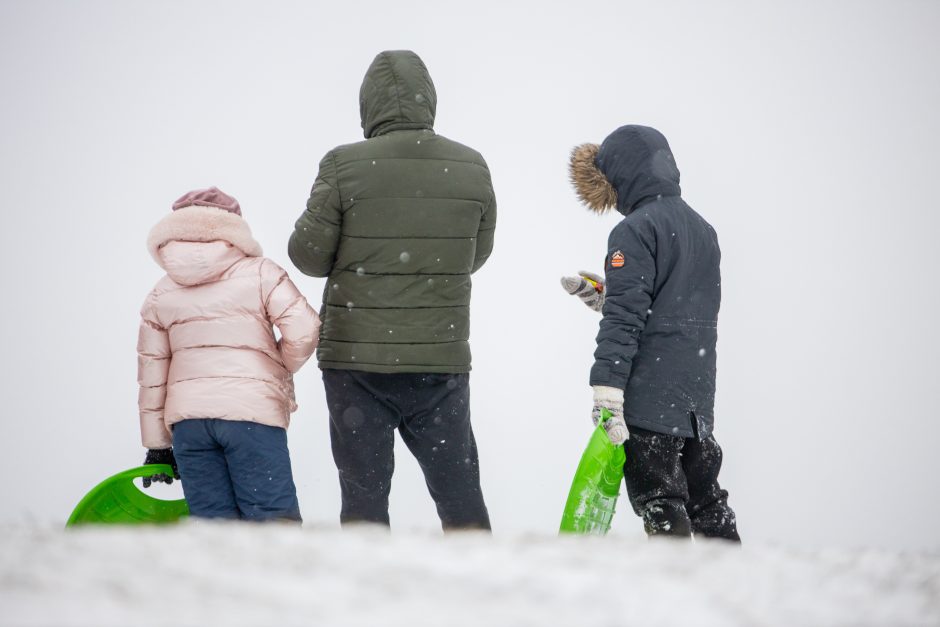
x: 588, y: 287
x: 161, y: 456
x: 610, y: 399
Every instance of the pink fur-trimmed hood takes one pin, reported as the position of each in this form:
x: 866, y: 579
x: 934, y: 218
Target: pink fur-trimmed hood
x: 202, y: 224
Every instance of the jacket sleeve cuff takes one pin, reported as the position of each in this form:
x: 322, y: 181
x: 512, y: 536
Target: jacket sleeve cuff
x: 601, y: 375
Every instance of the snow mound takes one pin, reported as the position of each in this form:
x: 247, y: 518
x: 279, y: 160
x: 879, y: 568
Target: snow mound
x: 200, y: 573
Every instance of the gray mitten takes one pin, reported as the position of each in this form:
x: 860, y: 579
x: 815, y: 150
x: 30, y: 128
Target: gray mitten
x: 610, y: 399
x: 588, y: 287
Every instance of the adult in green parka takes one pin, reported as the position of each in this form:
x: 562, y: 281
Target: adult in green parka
x: 398, y: 223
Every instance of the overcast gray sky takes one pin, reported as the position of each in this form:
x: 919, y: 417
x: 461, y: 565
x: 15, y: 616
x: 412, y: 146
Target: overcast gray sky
x: 806, y: 132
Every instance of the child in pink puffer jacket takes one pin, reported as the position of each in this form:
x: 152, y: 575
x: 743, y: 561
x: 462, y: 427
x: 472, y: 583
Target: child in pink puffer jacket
x: 216, y: 385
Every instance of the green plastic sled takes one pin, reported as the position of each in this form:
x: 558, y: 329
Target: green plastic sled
x: 593, y: 497
x: 117, y: 501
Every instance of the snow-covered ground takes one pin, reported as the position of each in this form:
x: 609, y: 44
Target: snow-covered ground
x: 230, y: 574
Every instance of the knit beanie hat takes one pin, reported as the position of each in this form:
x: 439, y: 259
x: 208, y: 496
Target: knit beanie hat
x: 211, y: 197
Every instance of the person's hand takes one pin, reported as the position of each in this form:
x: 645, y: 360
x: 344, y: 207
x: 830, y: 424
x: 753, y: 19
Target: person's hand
x: 611, y: 400
x: 587, y: 286
x: 161, y: 456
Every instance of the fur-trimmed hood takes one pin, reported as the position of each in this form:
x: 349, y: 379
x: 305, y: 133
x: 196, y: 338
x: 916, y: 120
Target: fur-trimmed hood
x: 590, y: 184
x: 202, y: 224
x: 633, y: 164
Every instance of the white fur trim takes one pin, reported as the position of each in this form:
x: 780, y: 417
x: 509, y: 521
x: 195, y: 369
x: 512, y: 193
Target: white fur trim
x: 202, y: 224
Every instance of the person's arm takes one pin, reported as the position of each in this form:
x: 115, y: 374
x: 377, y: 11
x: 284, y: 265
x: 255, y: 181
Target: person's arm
x: 289, y: 311
x: 312, y: 246
x: 153, y: 365
x: 630, y: 276
x: 486, y: 230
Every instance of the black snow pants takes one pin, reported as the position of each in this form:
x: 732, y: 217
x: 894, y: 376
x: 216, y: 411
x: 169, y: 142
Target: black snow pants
x: 673, y: 486
x: 432, y: 414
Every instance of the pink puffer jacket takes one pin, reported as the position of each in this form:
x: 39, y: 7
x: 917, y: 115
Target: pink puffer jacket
x: 207, y: 348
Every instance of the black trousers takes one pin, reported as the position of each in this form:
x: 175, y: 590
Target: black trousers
x: 672, y: 483
x: 432, y: 414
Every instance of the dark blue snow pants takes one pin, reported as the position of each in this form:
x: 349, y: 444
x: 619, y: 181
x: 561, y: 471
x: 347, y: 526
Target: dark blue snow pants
x: 235, y: 469
x: 431, y: 412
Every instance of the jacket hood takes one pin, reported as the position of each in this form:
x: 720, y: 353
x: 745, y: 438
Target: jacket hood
x: 396, y: 94
x: 202, y: 224
x: 228, y: 233
x: 633, y: 164
x: 195, y: 263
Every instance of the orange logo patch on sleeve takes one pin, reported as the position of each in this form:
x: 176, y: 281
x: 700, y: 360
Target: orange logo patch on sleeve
x: 616, y: 260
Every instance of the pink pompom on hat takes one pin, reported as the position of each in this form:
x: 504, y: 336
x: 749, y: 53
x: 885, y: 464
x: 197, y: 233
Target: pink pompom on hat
x: 211, y: 197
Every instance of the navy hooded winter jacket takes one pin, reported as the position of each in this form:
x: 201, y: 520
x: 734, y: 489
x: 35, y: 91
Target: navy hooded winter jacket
x: 663, y: 290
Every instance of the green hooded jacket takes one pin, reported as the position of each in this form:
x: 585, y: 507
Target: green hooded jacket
x: 398, y: 223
